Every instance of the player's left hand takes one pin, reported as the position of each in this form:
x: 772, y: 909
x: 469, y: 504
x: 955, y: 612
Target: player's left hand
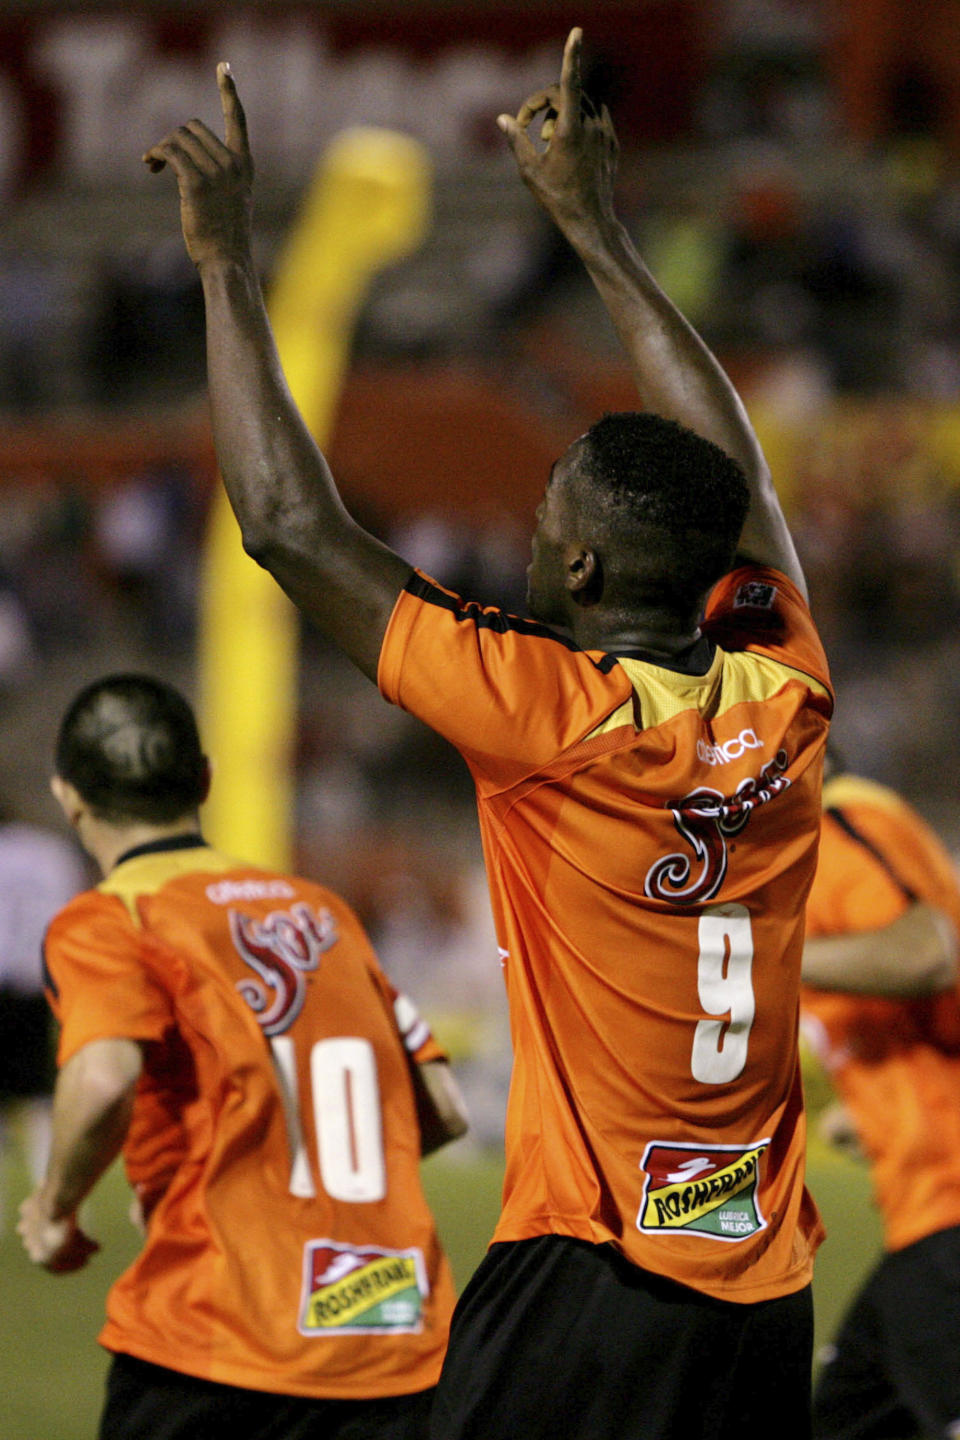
x: 214, y: 178
x: 58, y: 1245
x: 572, y: 172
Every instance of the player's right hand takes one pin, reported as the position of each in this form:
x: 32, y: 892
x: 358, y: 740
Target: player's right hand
x: 60, y: 1246
x: 214, y: 178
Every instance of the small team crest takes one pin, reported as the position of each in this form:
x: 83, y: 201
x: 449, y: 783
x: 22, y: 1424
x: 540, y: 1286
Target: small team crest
x: 755, y: 595
x: 708, y: 1190
x: 350, y: 1290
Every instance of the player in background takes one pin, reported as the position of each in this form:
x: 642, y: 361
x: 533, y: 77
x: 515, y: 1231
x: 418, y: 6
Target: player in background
x: 231, y: 1031
x: 647, y: 754
x: 881, y: 1009
x: 40, y: 870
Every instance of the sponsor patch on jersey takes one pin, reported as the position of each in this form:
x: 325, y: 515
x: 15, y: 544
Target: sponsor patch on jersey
x: 755, y: 595
x: 724, y: 752
x: 708, y: 1190
x: 228, y: 892
x: 366, y: 1290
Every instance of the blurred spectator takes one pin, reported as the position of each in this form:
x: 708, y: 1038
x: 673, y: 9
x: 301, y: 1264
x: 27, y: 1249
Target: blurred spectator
x: 145, y: 539
x: 145, y: 327
x: 43, y: 543
x: 16, y: 639
x: 28, y: 303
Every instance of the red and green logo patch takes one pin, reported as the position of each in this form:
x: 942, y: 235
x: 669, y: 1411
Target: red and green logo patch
x: 708, y: 1190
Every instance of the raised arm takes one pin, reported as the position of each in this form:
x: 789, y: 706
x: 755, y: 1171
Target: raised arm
x: 92, y: 1105
x: 572, y: 174
x: 278, y: 482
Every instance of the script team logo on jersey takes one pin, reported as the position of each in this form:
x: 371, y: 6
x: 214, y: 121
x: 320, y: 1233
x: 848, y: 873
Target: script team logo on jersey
x: 282, y: 949
x: 349, y: 1290
x: 707, y: 819
x: 708, y: 1190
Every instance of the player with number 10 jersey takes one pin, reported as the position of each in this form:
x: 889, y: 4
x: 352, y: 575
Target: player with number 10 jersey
x: 274, y: 1143
x: 650, y: 837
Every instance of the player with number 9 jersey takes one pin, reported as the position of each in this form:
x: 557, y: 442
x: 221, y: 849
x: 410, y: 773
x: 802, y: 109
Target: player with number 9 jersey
x: 274, y: 1142
x: 650, y: 835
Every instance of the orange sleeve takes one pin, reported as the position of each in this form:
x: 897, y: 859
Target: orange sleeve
x: 876, y: 856
x: 758, y: 609
x: 510, y: 694
x: 853, y: 888
x: 98, y: 987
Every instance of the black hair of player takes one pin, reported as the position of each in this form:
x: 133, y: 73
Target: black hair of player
x: 650, y: 476
x: 129, y: 745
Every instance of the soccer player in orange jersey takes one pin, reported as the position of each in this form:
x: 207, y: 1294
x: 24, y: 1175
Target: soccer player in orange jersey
x: 647, y: 754
x: 230, y: 1030
x: 881, y: 1007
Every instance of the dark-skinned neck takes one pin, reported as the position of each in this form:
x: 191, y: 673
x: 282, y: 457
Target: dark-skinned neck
x: 654, y: 631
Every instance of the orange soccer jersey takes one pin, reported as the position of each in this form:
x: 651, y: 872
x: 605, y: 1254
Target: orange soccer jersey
x: 895, y: 1063
x: 650, y: 837
x: 274, y: 1138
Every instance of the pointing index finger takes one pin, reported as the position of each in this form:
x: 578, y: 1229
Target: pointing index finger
x: 234, y: 120
x: 570, y: 82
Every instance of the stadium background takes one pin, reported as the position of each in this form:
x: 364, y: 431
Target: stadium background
x: 790, y: 168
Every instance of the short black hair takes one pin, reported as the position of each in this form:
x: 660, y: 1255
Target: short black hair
x: 647, y: 473
x: 129, y: 745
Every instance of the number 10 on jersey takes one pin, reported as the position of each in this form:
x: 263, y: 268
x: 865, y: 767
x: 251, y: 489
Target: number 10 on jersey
x: 347, y: 1118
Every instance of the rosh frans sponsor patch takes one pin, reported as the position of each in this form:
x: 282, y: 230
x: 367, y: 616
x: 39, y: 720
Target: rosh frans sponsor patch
x: 368, y: 1290
x: 708, y: 1190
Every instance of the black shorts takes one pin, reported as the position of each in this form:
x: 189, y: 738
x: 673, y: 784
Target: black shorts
x: 149, y: 1400
x: 560, y: 1339
x: 26, y: 1049
x: 893, y: 1368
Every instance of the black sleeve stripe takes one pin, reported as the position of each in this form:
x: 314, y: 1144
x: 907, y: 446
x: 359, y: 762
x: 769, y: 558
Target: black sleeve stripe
x: 497, y: 620
x: 847, y: 825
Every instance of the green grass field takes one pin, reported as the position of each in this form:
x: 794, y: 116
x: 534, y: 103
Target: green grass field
x: 51, y: 1369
